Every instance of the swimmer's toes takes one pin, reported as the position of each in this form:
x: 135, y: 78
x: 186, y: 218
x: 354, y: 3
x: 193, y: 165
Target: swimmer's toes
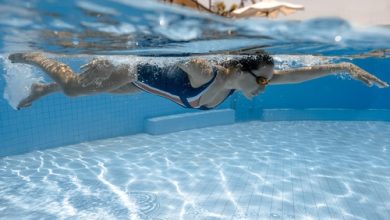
x: 15, y: 57
x: 24, y: 104
x: 23, y: 57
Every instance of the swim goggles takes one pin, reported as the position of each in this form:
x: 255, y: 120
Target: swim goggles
x: 260, y: 80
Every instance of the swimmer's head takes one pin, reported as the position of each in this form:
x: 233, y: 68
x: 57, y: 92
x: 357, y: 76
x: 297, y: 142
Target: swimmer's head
x: 253, y: 71
x: 249, y: 62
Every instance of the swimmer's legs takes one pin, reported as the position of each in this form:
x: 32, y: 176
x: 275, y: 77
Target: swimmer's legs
x: 98, y: 76
x: 59, y: 72
x: 37, y: 91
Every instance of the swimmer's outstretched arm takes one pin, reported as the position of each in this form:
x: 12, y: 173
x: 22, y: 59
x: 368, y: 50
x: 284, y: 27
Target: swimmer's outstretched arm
x: 308, y: 73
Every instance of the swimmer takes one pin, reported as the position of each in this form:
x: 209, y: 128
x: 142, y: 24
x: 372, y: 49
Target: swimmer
x: 195, y: 83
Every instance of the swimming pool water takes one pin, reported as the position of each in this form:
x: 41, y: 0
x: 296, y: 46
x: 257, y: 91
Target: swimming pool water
x: 255, y: 170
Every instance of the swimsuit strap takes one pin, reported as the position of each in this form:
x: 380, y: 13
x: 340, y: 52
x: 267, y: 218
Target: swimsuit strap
x: 201, y: 89
x: 174, y: 84
x: 204, y: 88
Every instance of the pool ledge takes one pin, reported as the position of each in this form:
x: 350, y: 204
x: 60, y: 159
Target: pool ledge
x: 325, y: 114
x: 186, y: 121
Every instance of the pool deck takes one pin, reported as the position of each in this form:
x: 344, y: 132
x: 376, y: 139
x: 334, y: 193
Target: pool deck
x: 358, y: 12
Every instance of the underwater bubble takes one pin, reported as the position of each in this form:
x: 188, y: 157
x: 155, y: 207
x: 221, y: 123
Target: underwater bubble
x: 274, y: 216
x: 19, y: 78
x: 338, y: 38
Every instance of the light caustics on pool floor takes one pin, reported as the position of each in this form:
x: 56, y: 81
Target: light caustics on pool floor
x: 256, y: 170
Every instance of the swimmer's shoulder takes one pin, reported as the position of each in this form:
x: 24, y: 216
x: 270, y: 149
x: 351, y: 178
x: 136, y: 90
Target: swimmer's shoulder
x: 199, y: 70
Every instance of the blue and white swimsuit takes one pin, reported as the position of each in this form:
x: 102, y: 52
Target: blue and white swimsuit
x: 173, y: 83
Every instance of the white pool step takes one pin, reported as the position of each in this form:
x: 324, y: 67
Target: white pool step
x: 186, y: 121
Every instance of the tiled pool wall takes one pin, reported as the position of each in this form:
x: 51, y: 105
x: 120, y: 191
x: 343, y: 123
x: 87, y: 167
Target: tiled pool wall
x: 57, y: 120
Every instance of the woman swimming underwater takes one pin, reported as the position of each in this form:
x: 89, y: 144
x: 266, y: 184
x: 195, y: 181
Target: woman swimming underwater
x: 196, y: 83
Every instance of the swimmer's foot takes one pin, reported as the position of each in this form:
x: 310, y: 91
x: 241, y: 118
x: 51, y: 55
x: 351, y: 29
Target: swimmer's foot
x: 36, y: 91
x: 27, y: 58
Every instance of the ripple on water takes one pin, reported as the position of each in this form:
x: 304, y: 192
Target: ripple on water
x: 146, y: 202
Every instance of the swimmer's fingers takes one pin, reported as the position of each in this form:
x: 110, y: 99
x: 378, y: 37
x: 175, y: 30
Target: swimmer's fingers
x: 367, y: 78
x: 375, y: 80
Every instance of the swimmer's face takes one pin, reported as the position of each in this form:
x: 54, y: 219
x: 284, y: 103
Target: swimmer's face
x: 254, y: 82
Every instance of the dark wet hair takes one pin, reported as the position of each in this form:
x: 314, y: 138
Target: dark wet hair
x: 249, y: 62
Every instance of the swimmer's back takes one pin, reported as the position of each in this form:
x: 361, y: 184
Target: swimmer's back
x: 171, y: 78
x: 173, y: 83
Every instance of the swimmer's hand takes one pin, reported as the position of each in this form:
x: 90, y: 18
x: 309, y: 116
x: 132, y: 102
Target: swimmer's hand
x: 95, y: 72
x: 362, y: 75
